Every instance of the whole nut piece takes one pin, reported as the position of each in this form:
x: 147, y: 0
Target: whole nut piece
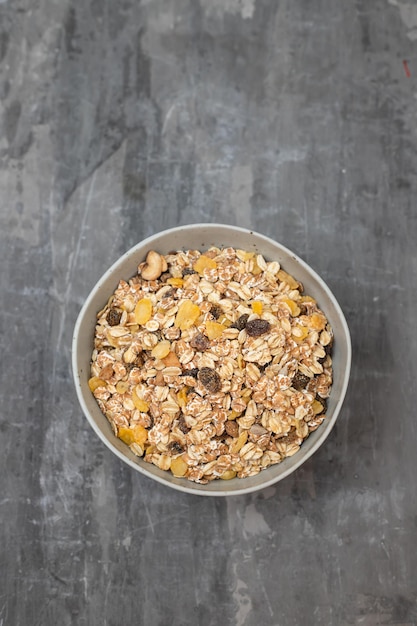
x: 153, y: 266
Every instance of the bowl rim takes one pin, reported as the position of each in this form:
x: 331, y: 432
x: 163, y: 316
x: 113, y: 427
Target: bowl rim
x: 198, y: 489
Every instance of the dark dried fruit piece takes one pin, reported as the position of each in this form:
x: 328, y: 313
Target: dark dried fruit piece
x: 300, y: 381
x: 187, y: 271
x: 240, y: 323
x: 256, y: 328
x: 231, y: 428
x: 113, y: 317
x: 216, y: 311
x: 200, y: 342
x: 210, y: 379
x: 329, y: 348
x: 175, y: 447
x: 182, y: 424
x: 193, y: 372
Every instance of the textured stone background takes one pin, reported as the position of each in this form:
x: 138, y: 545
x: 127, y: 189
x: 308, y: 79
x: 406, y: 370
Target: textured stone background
x: 119, y: 119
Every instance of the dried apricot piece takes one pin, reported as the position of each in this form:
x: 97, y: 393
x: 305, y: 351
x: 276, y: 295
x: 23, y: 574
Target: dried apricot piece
x: 171, y: 360
x: 187, y: 315
x: 143, y: 311
x: 257, y: 307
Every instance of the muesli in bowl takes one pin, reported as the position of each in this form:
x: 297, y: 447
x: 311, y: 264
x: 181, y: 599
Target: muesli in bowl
x: 212, y: 364
x: 218, y: 365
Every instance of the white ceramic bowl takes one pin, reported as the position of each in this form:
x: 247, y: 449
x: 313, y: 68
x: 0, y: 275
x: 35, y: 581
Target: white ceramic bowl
x: 201, y: 237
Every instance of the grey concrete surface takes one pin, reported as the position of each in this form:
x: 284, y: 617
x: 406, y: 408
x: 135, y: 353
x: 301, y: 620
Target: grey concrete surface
x: 119, y: 119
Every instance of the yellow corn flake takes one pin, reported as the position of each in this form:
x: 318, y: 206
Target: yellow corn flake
x: 187, y: 315
x: 175, y: 282
x: 233, y: 415
x: 257, y: 307
x: 161, y: 350
x: 178, y: 467
x: 204, y: 262
x: 182, y: 397
x: 292, y: 306
x: 140, y: 404
x: 95, y: 382
x: 228, y: 475
x: 143, y: 311
x: 214, y: 329
x: 287, y: 278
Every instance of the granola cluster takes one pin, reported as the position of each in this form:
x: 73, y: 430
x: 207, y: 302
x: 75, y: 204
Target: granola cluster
x: 212, y: 365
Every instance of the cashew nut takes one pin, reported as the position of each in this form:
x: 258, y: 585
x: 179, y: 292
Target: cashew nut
x: 152, y: 268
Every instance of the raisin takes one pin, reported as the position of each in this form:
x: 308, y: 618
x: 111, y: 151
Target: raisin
x: 300, y: 381
x: 216, y: 311
x: 175, y: 447
x: 240, y: 323
x: 182, y: 424
x: 231, y: 428
x: 164, y: 277
x: 200, y: 342
x: 113, y: 317
x: 329, y: 348
x: 193, y: 372
x: 188, y: 271
x: 210, y: 379
x: 257, y: 327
